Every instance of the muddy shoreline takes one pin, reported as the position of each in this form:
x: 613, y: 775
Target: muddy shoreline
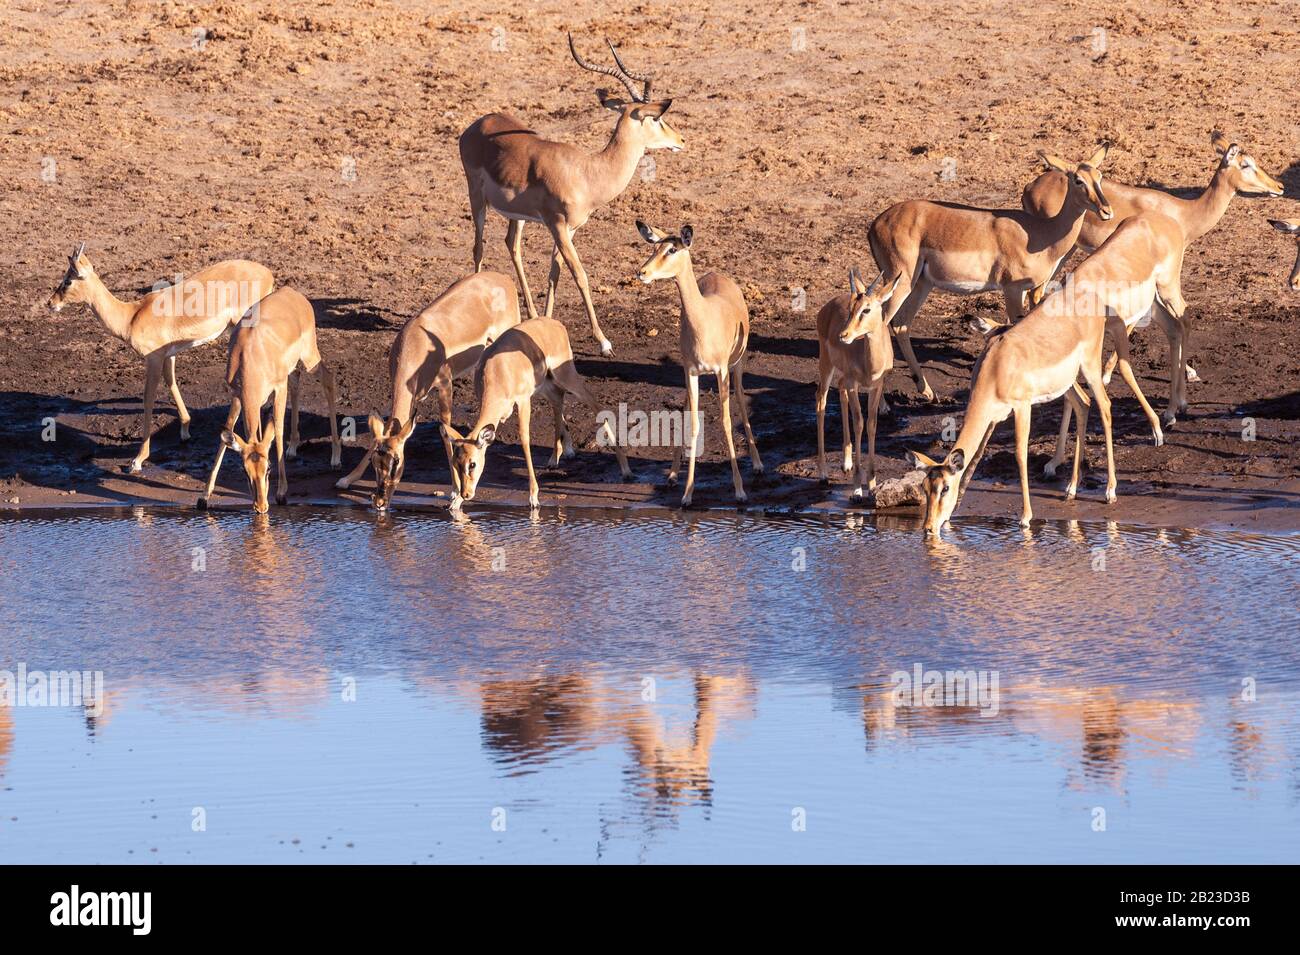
x: 272, y: 142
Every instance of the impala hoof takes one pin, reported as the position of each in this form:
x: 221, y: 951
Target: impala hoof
x: 671, y: 480
x: 741, y: 497
x: 824, y: 481
x: 342, y: 484
x: 1192, y: 375
x: 1111, y: 496
x: 201, y: 504
x: 1071, y: 492
x: 185, y: 432
x: 135, y: 467
x: 1049, y: 469
x: 282, y: 499
x: 291, y: 451
x: 456, y: 502
x: 1024, y: 520
x: 1169, y: 418
x: 857, y: 494
x: 1159, y: 438
x: 927, y: 393
x: 606, y: 348
x: 686, y: 500
x: 336, y: 464
x: 1105, y: 379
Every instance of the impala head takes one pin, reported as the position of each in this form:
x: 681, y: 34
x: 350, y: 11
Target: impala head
x: 388, y: 457
x: 257, y: 463
x: 867, y: 305
x: 1243, y: 172
x: 1084, y: 180
x: 646, y: 117
x: 467, y: 457
x: 72, y: 288
x: 939, y: 489
x: 1291, y: 227
x: 671, y: 254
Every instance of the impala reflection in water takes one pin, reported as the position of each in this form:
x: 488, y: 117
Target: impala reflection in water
x: 346, y: 686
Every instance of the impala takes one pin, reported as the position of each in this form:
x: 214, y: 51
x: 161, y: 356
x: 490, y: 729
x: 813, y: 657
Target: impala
x: 1237, y: 172
x: 266, y: 353
x: 1290, y: 227
x: 714, y: 336
x: 167, y: 321
x: 854, y: 352
x: 444, y: 342
x: 511, y: 169
x: 530, y: 358
x: 966, y: 250
x: 1040, y: 359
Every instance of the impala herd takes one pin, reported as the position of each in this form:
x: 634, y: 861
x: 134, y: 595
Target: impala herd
x: 1051, y: 346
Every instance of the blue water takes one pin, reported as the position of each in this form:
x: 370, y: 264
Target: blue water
x: 334, y: 686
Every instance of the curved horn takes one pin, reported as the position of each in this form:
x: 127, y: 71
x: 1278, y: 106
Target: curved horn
x: 641, y: 77
x: 607, y: 71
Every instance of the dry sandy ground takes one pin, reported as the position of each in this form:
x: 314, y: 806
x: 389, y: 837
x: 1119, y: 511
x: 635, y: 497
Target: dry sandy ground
x: 320, y: 139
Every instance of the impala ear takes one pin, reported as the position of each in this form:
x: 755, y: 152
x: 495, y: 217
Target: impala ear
x: 405, y: 432
x: 651, y: 110
x: 448, y: 432
x: 955, y: 461
x: 377, y: 427
x: 1289, y: 226
x: 1097, y: 158
x: 892, y: 285
x: 268, y: 434
x: 231, y: 440
x: 650, y: 233
x: 687, y: 232
x: 486, y: 436
x: 922, y: 460
x: 610, y: 102
x: 1056, y: 162
x: 1231, y: 155
x: 1220, y: 142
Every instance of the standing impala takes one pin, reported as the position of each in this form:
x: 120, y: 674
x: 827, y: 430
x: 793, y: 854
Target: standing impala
x: 529, y: 179
x: 530, y: 358
x: 442, y: 343
x: 266, y: 353
x: 714, y: 336
x: 1291, y: 227
x: 854, y: 352
x: 966, y: 250
x: 1236, y: 172
x: 1040, y: 359
x: 166, y: 322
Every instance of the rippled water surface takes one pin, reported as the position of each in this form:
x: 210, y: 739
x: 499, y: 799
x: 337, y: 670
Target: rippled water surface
x: 332, y: 686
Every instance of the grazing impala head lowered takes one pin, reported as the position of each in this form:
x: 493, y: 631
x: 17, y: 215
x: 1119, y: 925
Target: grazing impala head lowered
x: 388, y: 455
x: 1085, y: 181
x: 940, y: 489
x: 467, y: 457
x: 1290, y: 227
x: 257, y: 463
x: 1243, y: 173
x: 73, y: 287
x: 867, y: 306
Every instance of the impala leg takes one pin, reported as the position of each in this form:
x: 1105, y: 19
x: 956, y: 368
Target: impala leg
x: 152, y: 372
x: 1022, y: 461
x: 568, y: 379
x: 873, y: 409
x: 1092, y: 374
x: 855, y: 407
x: 295, y: 390
x: 555, y: 396
x: 564, y: 239
x: 1079, y: 410
x: 231, y: 417
x: 693, y: 416
x: 478, y: 211
x: 330, y: 383
x: 282, y: 480
x: 1062, y: 436
x: 846, y: 419
x: 442, y: 399
x: 900, y: 320
x: 354, y: 475
x: 823, y: 389
x: 182, y: 412
x: 525, y: 415
x: 553, y: 280
x: 742, y: 401
x: 515, y: 243
x: 724, y: 403
x: 1126, y: 372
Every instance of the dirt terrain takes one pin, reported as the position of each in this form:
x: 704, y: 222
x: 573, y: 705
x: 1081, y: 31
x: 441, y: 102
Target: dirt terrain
x: 320, y: 139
